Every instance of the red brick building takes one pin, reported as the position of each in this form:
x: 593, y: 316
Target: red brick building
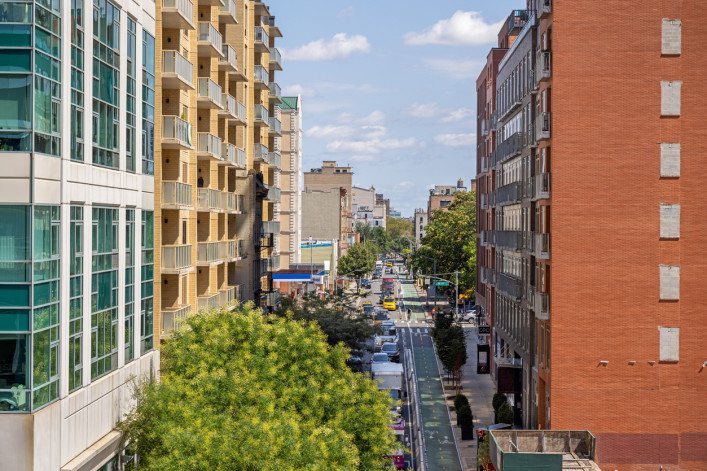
x: 610, y: 241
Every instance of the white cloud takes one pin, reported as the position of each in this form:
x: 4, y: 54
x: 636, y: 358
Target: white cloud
x: 346, y: 12
x: 346, y: 132
x: 337, y: 47
x: 463, y: 28
x: 424, y: 110
x: 454, y: 68
x: 456, y: 140
x: 458, y: 115
x: 363, y: 158
x: 297, y: 89
x: 371, y: 146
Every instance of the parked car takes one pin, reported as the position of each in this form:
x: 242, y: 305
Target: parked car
x: 469, y: 316
x: 391, y: 349
x: 365, y: 283
x: 380, y: 357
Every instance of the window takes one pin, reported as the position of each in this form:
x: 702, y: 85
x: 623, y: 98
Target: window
x: 75, y: 297
x: 130, y: 136
x: 148, y: 104
x: 129, y: 285
x: 47, y: 92
x: 147, y: 277
x: 104, y: 292
x: 77, y: 79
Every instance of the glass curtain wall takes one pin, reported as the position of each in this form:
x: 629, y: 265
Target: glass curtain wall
x: 104, y: 292
x: 76, y: 297
x: 47, y: 79
x: 130, y: 137
x: 129, y: 285
x: 77, y: 78
x: 148, y: 104
x: 106, y: 83
x: 147, y: 301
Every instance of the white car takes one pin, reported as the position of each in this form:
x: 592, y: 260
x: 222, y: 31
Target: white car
x: 469, y: 316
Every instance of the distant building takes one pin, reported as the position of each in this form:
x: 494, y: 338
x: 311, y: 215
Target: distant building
x: 420, y: 222
x: 396, y: 214
x: 291, y: 181
x: 384, y: 203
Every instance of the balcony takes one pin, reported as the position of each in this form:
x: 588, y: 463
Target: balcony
x: 484, y: 201
x: 275, y: 95
x: 492, y: 276
x: 217, y: 300
x: 211, y: 253
x: 261, y: 78
x: 544, y: 65
x: 209, y: 41
x: 509, y: 148
x: 517, y: 20
x: 529, y: 242
x: 230, y: 153
x: 542, y: 186
x: 485, y: 127
x: 176, y: 258
x: 509, y: 286
x: 242, y: 116
x: 174, y: 318
x: 229, y: 61
x: 509, y: 194
x: 275, y: 59
x: 275, y: 128
x: 208, y: 200
x: 509, y: 240
x: 261, y: 115
x: 544, y: 8
x: 177, y: 14
x: 209, y: 147
x: 542, y: 306
x: 213, y: 3
x: 240, y: 158
x: 274, y: 194
x: 209, y: 96
x: 176, y: 133
x: 260, y: 152
x: 542, y: 246
x: 262, y: 41
x: 272, y: 299
x: 230, y: 107
x: 484, y: 238
x: 177, y: 71
x: 274, y: 159
x: 232, y: 249
x: 227, y: 13
x: 271, y: 227
x: 542, y: 126
x: 176, y: 195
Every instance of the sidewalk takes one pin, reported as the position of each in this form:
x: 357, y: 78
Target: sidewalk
x: 479, y: 389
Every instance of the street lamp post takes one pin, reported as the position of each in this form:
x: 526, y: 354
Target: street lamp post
x: 311, y: 265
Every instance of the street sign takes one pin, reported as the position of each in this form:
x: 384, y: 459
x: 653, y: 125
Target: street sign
x: 484, y: 329
x: 442, y: 283
x: 427, y: 281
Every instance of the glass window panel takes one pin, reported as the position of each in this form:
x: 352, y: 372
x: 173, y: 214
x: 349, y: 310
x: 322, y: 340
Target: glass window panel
x: 14, y: 320
x: 14, y: 295
x: 15, y: 35
x: 15, y: 60
x: 11, y: 12
x: 14, y: 362
x: 15, y: 141
x: 15, y: 272
x: 15, y: 103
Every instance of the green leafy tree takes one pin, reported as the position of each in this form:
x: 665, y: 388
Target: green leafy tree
x: 451, y: 240
x: 244, y: 391
x: 397, y: 228
x: 358, y: 261
x: 505, y: 414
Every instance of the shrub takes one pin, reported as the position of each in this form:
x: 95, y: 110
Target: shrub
x: 460, y: 400
x: 465, y: 419
x: 498, y: 400
x: 505, y: 414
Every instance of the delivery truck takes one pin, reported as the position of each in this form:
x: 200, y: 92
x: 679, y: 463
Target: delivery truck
x: 389, y: 376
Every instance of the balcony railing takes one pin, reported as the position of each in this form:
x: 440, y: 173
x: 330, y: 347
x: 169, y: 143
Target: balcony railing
x: 174, y: 318
x: 542, y: 186
x: 271, y: 227
x: 262, y: 41
x: 542, y: 306
x: 174, y: 63
x: 544, y: 65
x: 260, y: 152
x: 485, y: 127
x: 509, y: 194
x: 229, y: 59
x: 210, y: 252
x: 230, y: 105
x: 484, y: 201
x: 209, y: 145
x: 492, y: 276
x: 176, y: 130
x: 231, y: 202
x: 275, y: 91
x: 508, y: 285
x: 275, y: 126
x: 211, y: 38
x: 227, y: 12
x: 208, y: 199
x: 210, y: 93
x: 484, y: 238
x: 509, y: 148
x: 230, y: 153
x: 544, y: 8
x: 274, y: 194
x: 484, y: 164
x: 177, y: 14
x: 274, y: 159
x: 509, y: 240
x: 542, y: 126
x: 517, y: 19
x: 529, y: 241
x: 213, y: 301
x: 260, y: 113
x: 176, y: 193
x: 542, y: 246
x: 176, y: 257
x: 232, y: 246
x: 261, y: 74
x: 241, y: 112
x: 275, y: 59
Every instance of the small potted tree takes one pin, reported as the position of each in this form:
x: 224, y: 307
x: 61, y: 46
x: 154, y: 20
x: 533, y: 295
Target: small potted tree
x: 497, y: 401
x: 465, y: 420
x: 505, y: 414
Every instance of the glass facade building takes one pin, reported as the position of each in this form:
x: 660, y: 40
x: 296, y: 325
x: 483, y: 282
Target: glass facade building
x: 76, y: 226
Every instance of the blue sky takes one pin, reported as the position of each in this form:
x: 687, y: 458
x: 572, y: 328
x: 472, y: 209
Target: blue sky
x: 388, y: 86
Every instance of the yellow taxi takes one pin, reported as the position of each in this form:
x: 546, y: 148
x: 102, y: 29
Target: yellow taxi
x: 365, y: 307
x: 389, y: 264
x: 389, y: 303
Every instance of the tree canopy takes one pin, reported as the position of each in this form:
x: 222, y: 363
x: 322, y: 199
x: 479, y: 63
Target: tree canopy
x: 395, y: 237
x: 243, y: 391
x: 359, y: 260
x: 451, y: 240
